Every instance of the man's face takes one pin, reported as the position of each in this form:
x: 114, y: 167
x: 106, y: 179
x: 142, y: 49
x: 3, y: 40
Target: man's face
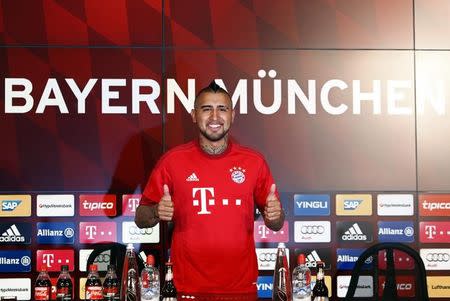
x: 214, y: 115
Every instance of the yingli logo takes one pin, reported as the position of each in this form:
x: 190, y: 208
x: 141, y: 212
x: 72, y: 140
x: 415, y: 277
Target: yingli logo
x: 98, y: 205
x: 434, y: 204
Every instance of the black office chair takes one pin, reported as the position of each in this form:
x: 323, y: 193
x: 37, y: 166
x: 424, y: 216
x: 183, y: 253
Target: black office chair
x: 390, y: 288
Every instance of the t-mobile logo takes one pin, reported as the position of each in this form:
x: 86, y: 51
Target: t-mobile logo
x: 48, y: 259
x: 204, y: 201
x: 206, y: 195
x: 430, y: 231
x: 91, y: 231
x: 133, y: 203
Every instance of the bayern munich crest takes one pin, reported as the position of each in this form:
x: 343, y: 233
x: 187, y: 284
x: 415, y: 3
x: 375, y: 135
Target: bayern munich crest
x: 237, y: 175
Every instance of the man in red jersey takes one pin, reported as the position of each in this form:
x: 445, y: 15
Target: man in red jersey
x: 208, y: 188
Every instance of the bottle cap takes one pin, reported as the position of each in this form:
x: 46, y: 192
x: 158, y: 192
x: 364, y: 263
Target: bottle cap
x: 93, y: 268
x: 43, y: 268
x: 281, y: 245
x: 150, y: 260
x: 65, y: 268
x: 301, y: 259
x: 130, y: 247
x: 111, y: 267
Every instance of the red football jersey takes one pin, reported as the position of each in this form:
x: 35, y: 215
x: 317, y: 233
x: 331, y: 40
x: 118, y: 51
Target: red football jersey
x: 213, y: 249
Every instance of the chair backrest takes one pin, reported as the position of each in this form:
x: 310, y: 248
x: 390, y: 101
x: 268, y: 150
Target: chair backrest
x: 390, y: 288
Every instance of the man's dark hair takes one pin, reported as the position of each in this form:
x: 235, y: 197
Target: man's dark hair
x: 211, y: 88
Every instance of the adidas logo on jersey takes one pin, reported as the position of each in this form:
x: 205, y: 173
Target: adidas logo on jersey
x: 192, y: 178
x: 12, y: 234
x: 354, y: 233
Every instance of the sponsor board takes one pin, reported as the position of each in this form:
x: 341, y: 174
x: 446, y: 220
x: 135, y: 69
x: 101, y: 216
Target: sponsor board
x: 15, y: 233
x: 402, y: 260
x: 55, y: 205
x: 16, y: 287
x: 395, y: 205
x: 312, y: 231
x: 132, y: 234
x: 102, y: 260
x: 55, y: 233
x: 97, y: 232
x: 263, y: 234
x: 54, y: 259
x: 438, y: 286
x: 354, y: 204
x: 129, y: 204
x: 434, y: 204
x: 434, y: 232
x: 311, y: 204
x: 364, y: 288
x: 15, y: 205
x: 264, y: 286
x: 98, y: 205
x: 18, y: 261
x: 396, y: 231
x: 267, y: 258
x: 346, y: 259
x: 351, y: 232
x: 436, y: 259
x: 312, y: 256
x: 406, y: 286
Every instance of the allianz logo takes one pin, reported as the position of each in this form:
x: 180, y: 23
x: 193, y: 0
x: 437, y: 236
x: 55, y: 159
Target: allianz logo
x: 312, y: 204
x: 12, y: 234
x: 350, y: 258
x: 68, y: 232
x: 408, y: 231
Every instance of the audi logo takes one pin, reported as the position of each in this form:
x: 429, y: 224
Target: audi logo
x: 438, y: 257
x: 102, y: 258
x: 312, y: 230
x: 267, y: 257
x: 136, y: 230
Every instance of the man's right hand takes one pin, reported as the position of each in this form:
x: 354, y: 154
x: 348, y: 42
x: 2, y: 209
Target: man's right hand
x: 165, y: 205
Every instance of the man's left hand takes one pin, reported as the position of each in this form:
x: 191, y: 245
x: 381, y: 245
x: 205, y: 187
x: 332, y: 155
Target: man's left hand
x: 272, y: 210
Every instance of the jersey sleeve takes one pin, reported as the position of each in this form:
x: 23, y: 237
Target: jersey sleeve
x: 263, y: 183
x: 154, y: 189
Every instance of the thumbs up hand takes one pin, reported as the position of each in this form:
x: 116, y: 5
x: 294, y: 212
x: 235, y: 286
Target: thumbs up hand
x: 272, y: 210
x: 165, y: 205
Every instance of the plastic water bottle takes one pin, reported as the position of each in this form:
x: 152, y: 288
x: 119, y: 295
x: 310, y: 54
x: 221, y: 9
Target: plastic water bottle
x: 150, y: 281
x: 130, y: 290
x: 301, y: 281
x: 281, y: 278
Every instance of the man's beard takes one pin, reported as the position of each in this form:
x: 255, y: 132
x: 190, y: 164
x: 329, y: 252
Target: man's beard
x: 214, y: 138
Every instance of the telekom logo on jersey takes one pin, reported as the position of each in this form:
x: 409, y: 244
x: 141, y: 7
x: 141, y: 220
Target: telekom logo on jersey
x: 204, y: 198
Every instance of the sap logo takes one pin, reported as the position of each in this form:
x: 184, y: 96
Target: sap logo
x: 352, y: 204
x: 10, y: 205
